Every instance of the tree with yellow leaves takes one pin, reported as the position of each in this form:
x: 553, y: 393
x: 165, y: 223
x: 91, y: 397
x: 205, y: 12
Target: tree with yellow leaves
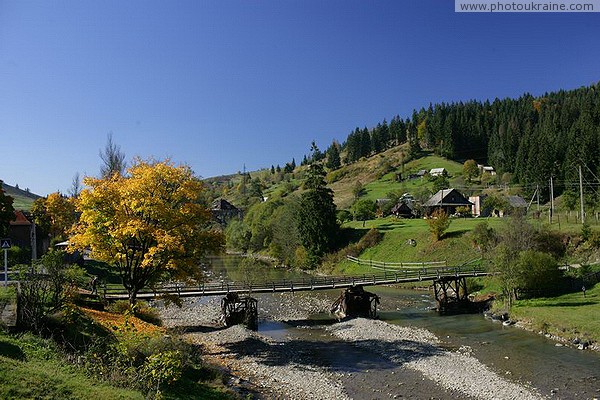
x: 54, y: 215
x: 150, y: 224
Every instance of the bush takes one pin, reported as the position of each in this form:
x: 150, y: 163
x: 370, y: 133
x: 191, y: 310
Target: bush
x: 538, y: 273
x: 141, y: 310
x: 438, y: 223
x: 484, y: 236
x: 372, y: 238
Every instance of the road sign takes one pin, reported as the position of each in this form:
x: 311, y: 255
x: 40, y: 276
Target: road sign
x: 5, y: 243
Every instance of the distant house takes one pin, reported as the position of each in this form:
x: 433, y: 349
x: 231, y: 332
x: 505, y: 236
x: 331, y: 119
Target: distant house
x: 421, y: 173
x: 485, y: 169
x: 403, y: 209
x: 22, y: 232
x: 438, y: 172
x: 448, y: 200
x: 223, y: 211
x: 477, y: 209
x: 517, y: 203
x: 513, y: 202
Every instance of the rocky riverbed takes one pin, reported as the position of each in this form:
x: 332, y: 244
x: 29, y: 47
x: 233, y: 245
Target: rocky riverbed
x: 292, y: 357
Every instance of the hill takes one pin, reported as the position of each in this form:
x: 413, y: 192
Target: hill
x: 23, y: 199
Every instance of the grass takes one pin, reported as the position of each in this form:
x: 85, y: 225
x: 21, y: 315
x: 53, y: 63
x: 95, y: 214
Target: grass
x: 570, y: 315
x: 32, y: 368
x: 35, y: 368
x: 455, y: 248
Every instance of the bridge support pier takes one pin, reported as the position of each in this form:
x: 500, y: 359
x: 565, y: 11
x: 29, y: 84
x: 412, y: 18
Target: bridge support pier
x: 451, y: 295
x: 355, y: 302
x: 237, y: 310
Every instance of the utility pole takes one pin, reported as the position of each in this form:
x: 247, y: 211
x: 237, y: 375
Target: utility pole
x: 551, y: 199
x: 537, y: 190
x: 581, y: 196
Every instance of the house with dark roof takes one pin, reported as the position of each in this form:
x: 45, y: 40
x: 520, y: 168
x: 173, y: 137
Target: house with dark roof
x: 448, y: 200
x: 223, y: 211
x: 403, y: 209
x: 22, y: 232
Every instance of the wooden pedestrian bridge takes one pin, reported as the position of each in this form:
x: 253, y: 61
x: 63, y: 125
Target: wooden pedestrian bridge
x: 447, y: 278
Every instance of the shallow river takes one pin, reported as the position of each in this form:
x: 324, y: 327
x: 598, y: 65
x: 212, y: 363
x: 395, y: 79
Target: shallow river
x: 556, y: 371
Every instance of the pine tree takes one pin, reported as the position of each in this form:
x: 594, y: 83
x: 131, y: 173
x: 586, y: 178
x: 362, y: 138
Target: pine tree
x: 317, y: 222
x: 333, y: 157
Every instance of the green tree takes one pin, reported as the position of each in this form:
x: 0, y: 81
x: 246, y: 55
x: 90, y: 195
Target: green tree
x: 440, y: 182
x: 333, y: 157
x: 317, y: 224
x: 364, y: 209
x: 238, y: 235
x: 286, y: 236
x: 438, y: 223
x: 470, y: 170
x: 496, y: 203
x: 537, y: 273
x: 7, y: 212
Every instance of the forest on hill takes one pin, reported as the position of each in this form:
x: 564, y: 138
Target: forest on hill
x: 532, y: 138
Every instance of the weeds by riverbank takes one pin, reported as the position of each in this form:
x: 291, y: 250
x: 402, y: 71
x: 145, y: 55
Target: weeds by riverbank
x: 570, y: 316
x: 98, y: 355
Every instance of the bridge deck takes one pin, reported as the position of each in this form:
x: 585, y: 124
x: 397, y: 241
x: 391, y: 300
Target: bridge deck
x: 306, y: 284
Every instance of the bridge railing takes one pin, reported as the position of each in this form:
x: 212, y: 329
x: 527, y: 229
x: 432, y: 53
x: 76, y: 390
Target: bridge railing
x: 308, y: 283
x: 396, y: 265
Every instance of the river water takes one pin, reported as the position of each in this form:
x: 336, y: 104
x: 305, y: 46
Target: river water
x: 526, y: 357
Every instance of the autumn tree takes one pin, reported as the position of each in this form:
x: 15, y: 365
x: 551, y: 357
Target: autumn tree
x: 470, y: 170
x: 438, y: 222
x: 7, y: 212
x: 150, y: 225
x: 61, y: 214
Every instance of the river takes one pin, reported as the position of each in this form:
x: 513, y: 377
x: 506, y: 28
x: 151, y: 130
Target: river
x: 515, y: 354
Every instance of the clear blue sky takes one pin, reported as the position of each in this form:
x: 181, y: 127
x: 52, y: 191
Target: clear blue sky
x: 220, y: 84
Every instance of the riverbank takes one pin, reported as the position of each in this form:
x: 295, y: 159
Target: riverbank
x: 297, y: 358
x: 570, y: 319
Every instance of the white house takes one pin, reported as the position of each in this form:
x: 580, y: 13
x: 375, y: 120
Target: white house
x: 437, y: 171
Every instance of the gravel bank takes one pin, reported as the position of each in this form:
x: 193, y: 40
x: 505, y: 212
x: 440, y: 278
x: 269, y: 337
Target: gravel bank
x: 418, y: 349
x: 360, y: 358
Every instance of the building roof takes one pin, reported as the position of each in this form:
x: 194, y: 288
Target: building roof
x: 402, y: 207
x: 437, y: 171
x: 447, y: 197
x: 222, y: 204
x: 20, y: 219
x: 516, y: 201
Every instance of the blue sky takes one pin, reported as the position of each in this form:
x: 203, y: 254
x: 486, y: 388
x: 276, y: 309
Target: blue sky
x: 220, y: 84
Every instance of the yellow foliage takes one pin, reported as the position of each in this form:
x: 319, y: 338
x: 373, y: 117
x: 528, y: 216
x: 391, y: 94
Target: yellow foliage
x: 61, y: 212
x: 145, y: 223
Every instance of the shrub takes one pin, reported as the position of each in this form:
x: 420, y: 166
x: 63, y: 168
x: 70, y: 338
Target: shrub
x: 141, y: 310
x: 484, y: 236
x: 537, y: 272
x: 372, y: 238
x: 438, y: 223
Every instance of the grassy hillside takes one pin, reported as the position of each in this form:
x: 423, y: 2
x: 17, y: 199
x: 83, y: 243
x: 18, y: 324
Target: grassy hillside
x: 456, y: 247
x: 23, y: 199
x: 381, y: 187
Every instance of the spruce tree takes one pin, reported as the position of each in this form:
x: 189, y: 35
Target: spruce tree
x: 333, y: 157
x: 317, y: 222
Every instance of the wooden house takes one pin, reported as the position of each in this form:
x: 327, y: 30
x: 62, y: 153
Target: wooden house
x: 448, y: 200
x: 223, y: 211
